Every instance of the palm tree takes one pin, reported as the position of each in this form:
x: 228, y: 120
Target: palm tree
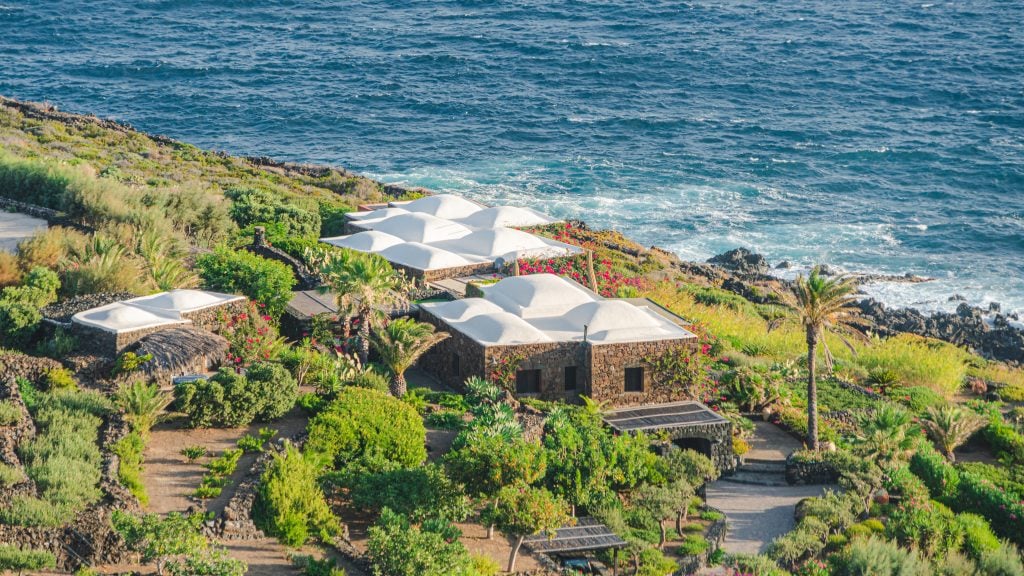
x: 821, y: 305
x: 367, y: 286
x: 143, y: 404
x: 950, y: 426
x: 886, y: 436
x: 400, y: 343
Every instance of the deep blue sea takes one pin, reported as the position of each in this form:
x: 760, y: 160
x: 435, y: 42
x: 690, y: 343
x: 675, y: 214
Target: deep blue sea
x: 872, y: 135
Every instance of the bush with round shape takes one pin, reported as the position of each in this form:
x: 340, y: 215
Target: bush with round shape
x: 240, y: 272
x: 877, y: 557
x: 369, y: 428
x: 289, y: 503
x: 397, y: 548
x: 15, y: 559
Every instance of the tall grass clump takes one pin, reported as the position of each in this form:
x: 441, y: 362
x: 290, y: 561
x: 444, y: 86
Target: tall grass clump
x: 910, y: 360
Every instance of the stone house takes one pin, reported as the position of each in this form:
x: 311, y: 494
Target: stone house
x: 109, y: 330
x: 562, y: 340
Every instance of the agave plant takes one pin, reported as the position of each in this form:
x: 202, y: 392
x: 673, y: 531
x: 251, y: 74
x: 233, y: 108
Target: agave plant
x: 950, y: 426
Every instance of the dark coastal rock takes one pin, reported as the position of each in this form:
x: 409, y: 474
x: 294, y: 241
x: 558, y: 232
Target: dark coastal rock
x: 742, y: 261
x: 957, y: 298
x: 991, y: 336
x: 784, y: 265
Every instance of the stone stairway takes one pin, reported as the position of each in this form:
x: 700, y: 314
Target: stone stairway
x: 760, y: 473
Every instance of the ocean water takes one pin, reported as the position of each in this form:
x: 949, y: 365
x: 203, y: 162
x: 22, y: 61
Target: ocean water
x: 872, y: 135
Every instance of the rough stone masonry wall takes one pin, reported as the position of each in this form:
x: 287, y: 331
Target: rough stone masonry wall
x: 608, y: 363
x: 439, y: 362
x: 10, y: 438
x: 551, y: 358
x: 211, y: 318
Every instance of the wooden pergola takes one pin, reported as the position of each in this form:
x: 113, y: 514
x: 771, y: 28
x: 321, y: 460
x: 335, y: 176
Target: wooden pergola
x: 587, y: 535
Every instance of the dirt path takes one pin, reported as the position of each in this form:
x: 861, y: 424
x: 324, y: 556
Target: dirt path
x: 169, y: 478
x: 757, y: 514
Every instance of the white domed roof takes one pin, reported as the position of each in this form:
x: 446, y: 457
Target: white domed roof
x: 610, y: 315
x: 376, y: 214
x: 462, y: 309
x: 369, y: 241
x: 537, y: 295
x: 120, y: 317
x: 501, y: 328
x: 420, y: 228
x: 183, y: 300
x: 443, y: 206
x: 422, y: 257
x: 506, y: 216
x: 496, y: 242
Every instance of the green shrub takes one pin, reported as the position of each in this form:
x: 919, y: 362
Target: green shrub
x: 19, y: 306
x: 711, y: 515
x: 693, y: 544
x: 919, y: 398
x: 806, y: 541
x: 60, y: 379
x: 225, y: 464
x: 193, y: 453
x: 211, y: 561
x: 929, y: 528
x: 1006, y: 477
x: 754, y: 564
x: 1012, y: 393
x: 1003, y: 511
x: 30, y: 395
x: 129, y: 471
x: 250, y: 443
x: 979, y: 539
x: 239, y: 272
x: 289, y: 503
x: 20, y: 559
x: 420, y: 494
x: 654, y: 563
x: 937, y: 474
x: 63, y: 458
x: 1005, y: 440
x: 445, y: 420
x: 10, y: 475
x: 10, y: 413
x: 904, y: 483
x: 1003, y: 561
x: 397, y: 548
x: 229, y: 399
x: 251, y: 206
x: 876, y: 557
x: 368, y: 427
x: 30, y: 511
x: 207, y: 492
x: 312, y: 567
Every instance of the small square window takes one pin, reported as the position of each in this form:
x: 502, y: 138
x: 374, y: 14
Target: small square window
x: 456, y: 367
x: 528, y: 381
x: 570, y: 377
x: 634, y: 380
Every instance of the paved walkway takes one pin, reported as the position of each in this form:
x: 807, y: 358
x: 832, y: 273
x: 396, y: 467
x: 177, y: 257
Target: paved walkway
x: 769, y: 442
x: 757, y: 514
x: 15, y: 227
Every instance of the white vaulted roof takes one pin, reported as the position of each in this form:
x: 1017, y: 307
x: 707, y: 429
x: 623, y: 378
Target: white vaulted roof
x: 454, y: 225
x: 423, y: 257
x: 415, y: 227
x: 499, y: 328
x: 369, y: 241
x: 443, y: 206
x: 557, y: 309
x: 496, y: 243
x: 183, y: 300
x: 120, y: 317
x: 537, y: 295
x: 506, y: 216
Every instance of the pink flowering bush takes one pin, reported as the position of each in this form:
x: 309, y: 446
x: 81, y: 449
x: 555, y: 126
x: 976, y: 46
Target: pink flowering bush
x: 252, y: 335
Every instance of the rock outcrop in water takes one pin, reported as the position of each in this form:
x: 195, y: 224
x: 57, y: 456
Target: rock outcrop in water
x: 741, y: 261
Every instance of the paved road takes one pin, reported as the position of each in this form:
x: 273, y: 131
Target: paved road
x: 757, y: 514
x: 769, y: 442
x: 16, y: 227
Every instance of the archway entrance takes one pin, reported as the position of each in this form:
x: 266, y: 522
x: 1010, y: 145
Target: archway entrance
x: 701, y: 445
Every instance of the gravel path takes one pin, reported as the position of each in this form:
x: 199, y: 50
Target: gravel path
x: 757, y: 514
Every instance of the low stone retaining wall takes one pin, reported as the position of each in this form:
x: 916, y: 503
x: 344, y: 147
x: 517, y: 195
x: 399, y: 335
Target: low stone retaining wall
x: 715, y: 535
x: 799, y: 472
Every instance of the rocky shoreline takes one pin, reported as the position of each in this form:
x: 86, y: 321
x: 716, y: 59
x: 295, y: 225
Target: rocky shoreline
x: 985, y: 331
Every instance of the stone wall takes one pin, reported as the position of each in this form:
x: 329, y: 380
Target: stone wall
x: 11, y: 437
x: 799, y: 471
x: 718, y: 434
x: 551, y: 358
x: 32, y: 368
x: 715, y: 535
x: 210, y: 318
x: 608, y: 363
x: 110, y: 344
x: 440, y: 360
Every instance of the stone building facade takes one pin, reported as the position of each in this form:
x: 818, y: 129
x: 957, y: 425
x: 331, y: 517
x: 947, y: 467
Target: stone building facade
x: 558, y: 370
